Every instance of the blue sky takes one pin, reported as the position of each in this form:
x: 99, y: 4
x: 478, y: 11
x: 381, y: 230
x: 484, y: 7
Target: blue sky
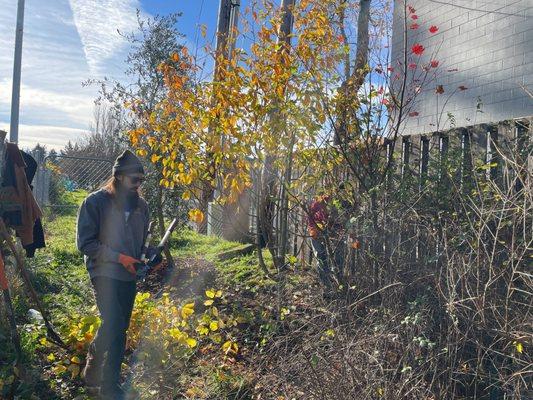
x: 69, y: 41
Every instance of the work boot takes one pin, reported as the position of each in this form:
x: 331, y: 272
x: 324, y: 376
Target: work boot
x: 92, y: 372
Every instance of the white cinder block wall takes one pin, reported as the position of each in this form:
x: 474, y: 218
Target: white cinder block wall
x: 489, y: 42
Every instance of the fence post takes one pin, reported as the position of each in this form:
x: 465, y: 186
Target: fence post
x: 466, y: 158
x: 406, y: 151
x: 424, y: 160
x: 522, y: 128
x: 492, y: 153
x: 422, y: 243
x: 41, y: 183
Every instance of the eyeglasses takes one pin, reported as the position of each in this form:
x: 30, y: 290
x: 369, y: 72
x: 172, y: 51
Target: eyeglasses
x: 136, y: 179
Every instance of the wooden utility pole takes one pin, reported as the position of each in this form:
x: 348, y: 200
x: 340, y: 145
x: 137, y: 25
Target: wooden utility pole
x: 15, y: 95
x: 223, y: 27
x: 227, y: 23
x: 228, y: 16
x: 286, y: 25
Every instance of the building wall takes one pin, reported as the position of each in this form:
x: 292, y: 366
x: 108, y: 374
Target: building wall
x: 490, y: 45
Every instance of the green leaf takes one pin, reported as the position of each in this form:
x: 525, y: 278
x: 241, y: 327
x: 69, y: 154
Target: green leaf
x: 314, y: 360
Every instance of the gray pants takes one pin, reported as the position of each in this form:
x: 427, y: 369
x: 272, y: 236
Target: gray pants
x: 115, y: 300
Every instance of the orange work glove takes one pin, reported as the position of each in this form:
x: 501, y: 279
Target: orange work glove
x: 128, y: 263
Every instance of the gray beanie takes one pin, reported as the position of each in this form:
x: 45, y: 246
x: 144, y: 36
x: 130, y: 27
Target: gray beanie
x: 127, y: 163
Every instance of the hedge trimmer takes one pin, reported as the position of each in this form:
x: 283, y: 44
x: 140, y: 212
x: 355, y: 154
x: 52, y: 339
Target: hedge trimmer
x: 155, y: 257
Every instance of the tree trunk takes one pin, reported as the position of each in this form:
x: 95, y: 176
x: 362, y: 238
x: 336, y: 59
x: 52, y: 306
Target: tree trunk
x: 269, y: 173
x: 354, y: 78
x: 284, y: 229
x: 161, y: 225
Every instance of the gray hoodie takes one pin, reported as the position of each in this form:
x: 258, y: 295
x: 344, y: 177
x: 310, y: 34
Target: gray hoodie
x: 103, y: 233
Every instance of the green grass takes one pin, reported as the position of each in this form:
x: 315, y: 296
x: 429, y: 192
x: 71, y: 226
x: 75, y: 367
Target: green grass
x: 59, y: 271
x: 187, y: 243
x: 239, y: 271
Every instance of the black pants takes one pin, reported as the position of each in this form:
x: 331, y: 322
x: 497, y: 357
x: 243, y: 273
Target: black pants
x: 330, y: 257
x: 114, y: 299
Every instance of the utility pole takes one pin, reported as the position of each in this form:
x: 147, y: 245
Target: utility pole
x: 228, y: 13
x: 286, y: 25
x: 227, y: 23
x: 233, y: 24
x: 15, y: 95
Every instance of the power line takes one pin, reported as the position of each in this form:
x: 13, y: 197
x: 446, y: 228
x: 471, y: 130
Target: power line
x: 479, y: 10
x: 196, y: 34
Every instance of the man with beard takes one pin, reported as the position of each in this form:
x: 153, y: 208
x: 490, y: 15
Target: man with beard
x: 111, y: 232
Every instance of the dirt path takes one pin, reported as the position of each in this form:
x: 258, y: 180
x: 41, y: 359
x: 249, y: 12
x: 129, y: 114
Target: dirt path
x: 188, y: 279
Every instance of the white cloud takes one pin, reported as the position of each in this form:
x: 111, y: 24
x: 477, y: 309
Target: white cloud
x: 97, y: 22
x: 54, y: 137
x: 66, y: 42
x: 75, y: 107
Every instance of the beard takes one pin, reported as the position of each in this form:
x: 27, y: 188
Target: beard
x: 128, y: 199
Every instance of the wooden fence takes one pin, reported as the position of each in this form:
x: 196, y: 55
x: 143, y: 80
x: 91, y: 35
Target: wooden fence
x: 413, y: 157
x: 478, y: 146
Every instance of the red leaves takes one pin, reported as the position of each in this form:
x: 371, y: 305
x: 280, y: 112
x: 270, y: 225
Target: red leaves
x: 462, y: 88
x: 390, y: 69
x: 414, y: 16
x: 412, y: 66
x: 414, y: 26
x: 411, y: 9
x: 434, y: 63
x: 434, y: 29
x: 417, y: 49
x: 413, y: 114
x: 385, y: 102
x: 439, y: 89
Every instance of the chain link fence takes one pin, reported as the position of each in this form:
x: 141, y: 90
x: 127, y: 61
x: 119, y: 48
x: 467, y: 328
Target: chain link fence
x: 62, y: 180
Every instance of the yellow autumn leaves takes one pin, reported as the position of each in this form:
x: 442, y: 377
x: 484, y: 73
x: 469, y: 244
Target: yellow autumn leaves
x: 209, y: 134
x: 196, y: 215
